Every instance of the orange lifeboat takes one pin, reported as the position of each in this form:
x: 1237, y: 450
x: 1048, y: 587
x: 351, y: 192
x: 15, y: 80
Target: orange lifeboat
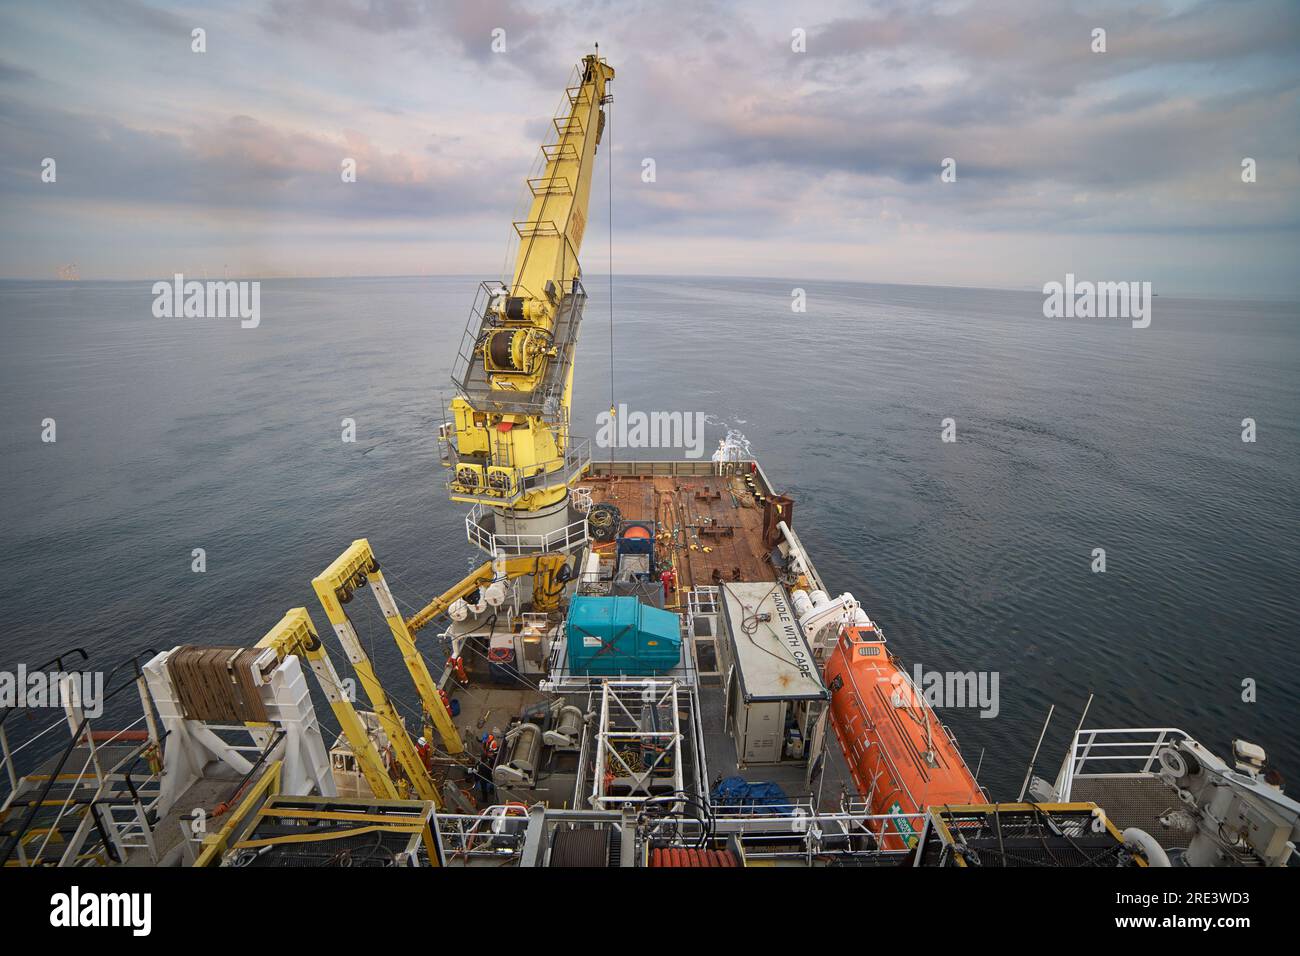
x: 902, y: 759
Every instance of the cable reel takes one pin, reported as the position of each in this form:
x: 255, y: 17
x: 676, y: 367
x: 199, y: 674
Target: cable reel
x: 604, y: 521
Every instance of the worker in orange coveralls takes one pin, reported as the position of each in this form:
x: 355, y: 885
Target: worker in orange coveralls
x: 458, y: 669
x: 669, y: 579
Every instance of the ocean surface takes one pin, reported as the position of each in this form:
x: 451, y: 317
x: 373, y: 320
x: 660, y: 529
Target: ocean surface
x: 176, y: 434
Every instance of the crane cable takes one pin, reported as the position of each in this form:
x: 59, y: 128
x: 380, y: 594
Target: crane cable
x: 609, y: 165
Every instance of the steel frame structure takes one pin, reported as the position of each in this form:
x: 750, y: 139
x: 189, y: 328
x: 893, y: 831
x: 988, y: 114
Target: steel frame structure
x: 620, y: 703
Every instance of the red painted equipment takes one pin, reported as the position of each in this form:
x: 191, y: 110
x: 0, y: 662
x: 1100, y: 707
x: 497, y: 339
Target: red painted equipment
x: 676, y: 856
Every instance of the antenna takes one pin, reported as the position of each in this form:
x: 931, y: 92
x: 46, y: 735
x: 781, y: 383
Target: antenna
x: 1025, y: 786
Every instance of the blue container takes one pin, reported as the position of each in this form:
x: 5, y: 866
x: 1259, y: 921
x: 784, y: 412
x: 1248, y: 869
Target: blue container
x: 608, y: 636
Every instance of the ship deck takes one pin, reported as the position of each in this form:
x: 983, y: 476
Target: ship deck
x: 709, y: 529
x: 822, y: 791
x: 712, y: 524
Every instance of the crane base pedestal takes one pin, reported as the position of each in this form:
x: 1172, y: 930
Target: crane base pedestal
x: 501, y: 531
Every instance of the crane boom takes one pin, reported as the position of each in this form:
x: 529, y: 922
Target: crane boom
x: 508, y: 443
x: 551, y: 236
x: 544, y: 569
x: 295, y: 634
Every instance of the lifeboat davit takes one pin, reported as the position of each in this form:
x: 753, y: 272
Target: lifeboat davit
x: 902, y: 758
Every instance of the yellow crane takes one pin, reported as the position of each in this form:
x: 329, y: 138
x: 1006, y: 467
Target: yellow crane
x: 358, y: 566
x: 507, y: 442
x: 334, y: 587
x: 295, y: 634
x: 548, y: 582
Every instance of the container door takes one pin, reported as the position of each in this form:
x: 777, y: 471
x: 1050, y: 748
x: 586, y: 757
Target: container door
x: 764, y: 730
x: 733, y: 704
x: 816, y: 747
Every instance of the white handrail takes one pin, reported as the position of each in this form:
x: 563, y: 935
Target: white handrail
x: 1141, y: 754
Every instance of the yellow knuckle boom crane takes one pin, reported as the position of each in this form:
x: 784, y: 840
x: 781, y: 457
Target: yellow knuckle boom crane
x: 295, y: 635
x: 353, y: 569
x: 548, y: 582
x: 507, y: 442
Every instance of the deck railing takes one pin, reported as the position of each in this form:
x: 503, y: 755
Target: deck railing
x: 480, y: 528
x: 511, y: 833
x: 114, y: 801
x: 1114, y: 752
x: 502, y: 486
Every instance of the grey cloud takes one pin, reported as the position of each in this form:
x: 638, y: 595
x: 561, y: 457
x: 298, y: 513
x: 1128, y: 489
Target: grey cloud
x: 1040, y: 141
x: 235, y: 164
x: 468, y: 24
x: 1053, y: 36
x: 129, y: 15
x: 374, y: 16
x: 751, y: 140
x: 14, y: 74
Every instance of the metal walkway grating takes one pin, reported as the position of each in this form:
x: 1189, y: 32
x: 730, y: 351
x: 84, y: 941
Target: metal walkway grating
x: 1136, y: 801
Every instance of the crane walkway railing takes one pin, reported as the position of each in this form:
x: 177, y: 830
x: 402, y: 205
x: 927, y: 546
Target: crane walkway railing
x: 471, y: 378
x: 480, y: 528
x: 1114, y: 752
x: 501, y: 485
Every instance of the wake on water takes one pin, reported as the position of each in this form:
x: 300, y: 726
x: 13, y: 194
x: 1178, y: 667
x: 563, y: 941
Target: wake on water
x: 734, y: 447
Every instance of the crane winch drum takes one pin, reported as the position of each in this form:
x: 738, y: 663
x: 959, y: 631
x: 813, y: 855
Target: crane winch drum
x: 518, y: 768
x: 520, y: 351
x: 567, y: 732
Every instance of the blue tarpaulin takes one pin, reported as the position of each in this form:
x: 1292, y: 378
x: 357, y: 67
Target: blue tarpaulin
x: 737, y: 793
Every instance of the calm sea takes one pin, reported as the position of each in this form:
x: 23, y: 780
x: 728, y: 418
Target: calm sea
x: 1072, y: 435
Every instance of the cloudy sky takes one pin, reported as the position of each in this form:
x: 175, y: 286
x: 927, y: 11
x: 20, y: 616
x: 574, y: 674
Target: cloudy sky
x: 770, y: 162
